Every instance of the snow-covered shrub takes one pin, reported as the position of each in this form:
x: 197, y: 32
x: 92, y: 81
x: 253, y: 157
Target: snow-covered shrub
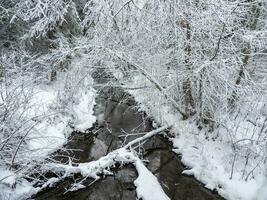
x: 44, y: 15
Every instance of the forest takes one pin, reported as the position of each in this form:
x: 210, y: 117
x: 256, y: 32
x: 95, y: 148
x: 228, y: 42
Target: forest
x: 96, y: 91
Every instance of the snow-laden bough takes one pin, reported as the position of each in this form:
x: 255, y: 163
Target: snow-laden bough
x: 147, y: 185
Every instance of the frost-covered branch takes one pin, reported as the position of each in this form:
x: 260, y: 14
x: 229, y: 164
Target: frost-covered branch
x: 102, y: 166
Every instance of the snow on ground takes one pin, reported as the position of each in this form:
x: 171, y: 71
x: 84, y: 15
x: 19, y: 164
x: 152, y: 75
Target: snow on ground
x: 209, y: 160
x: 53, y: 110
x: 147, y: 185
x: 13, y: 187
x: 84, y: 111
x: 53, y: 131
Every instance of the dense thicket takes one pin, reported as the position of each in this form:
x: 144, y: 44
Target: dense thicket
x: 207, y: 58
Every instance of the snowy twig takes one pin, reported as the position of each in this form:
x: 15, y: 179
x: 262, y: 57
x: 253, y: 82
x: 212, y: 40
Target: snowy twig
x: 147, y: 136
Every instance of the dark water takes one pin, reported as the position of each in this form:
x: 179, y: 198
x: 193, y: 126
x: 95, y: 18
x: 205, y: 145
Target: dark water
x: 117, y: 115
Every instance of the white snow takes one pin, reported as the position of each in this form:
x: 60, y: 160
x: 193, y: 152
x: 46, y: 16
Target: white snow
x: 147, y: 185
x: 84, y: 111
x: 13, y: 187
x: 209, y: 160
x: 53, y: 131
x: 51, y: 110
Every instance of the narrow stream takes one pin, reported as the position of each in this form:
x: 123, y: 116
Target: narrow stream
x: 118, y: 114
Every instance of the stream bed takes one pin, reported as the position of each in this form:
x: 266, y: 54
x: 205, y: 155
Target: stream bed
x: 117, y: 114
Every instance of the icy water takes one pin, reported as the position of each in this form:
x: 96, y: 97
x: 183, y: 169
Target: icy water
x: 117, y: 115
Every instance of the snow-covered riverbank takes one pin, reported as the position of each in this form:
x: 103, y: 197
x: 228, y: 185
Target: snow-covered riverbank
x: 208, y: 155
x: 53, y: 112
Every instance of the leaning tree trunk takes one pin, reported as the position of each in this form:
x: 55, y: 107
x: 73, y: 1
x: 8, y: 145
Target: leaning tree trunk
x: 251, y: 24
x: 186, y: 85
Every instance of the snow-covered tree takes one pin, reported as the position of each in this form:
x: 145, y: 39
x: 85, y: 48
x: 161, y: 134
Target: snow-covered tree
x: 206, y: 60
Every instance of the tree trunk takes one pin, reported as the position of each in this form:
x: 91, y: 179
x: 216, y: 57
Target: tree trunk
x: 186, y: 85
x: 246, y: 52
